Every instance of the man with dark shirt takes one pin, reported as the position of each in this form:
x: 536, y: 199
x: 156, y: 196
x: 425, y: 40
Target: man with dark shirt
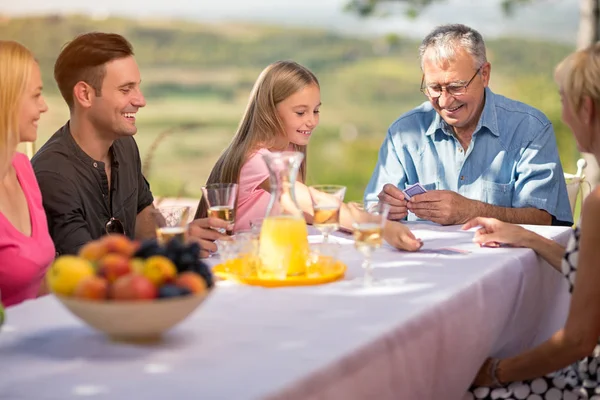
x: 89, y: 171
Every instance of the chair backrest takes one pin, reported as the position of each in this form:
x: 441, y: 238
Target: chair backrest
x: 576, y: 184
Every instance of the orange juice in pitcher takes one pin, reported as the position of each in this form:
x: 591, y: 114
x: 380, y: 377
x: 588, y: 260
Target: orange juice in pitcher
x: 283, y: 247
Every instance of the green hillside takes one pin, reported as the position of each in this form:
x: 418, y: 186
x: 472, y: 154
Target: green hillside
x: 198, y: 77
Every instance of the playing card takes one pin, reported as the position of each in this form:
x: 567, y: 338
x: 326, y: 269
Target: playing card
x: 413, y: 190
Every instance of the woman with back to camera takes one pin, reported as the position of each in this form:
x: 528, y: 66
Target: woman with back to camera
x: 566, y: 366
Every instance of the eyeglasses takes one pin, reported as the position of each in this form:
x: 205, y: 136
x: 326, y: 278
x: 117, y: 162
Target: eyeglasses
x: 114, y: 226
x: 453, y: 89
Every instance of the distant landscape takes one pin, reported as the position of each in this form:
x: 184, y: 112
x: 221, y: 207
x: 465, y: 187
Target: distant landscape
x: 197, y: 78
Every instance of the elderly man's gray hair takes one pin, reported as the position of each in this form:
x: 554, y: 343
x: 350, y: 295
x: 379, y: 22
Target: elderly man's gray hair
x: 446, y: 40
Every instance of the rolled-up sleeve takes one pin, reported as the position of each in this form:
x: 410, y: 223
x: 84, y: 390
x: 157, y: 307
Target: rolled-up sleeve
x: 389, y: 169
x: 64, y: 211
x: 540, y: 180
x: 145, y: 197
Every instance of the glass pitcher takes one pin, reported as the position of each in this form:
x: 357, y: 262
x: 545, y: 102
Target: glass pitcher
x: 283, y: 248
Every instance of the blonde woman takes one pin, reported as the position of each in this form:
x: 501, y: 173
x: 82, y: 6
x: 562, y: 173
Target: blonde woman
x: 26, y: 249
x: 282, y: 113
x: 566, y: 366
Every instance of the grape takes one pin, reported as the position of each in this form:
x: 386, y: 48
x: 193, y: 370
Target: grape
x: 170, y: 290
x: 175, y: 246
x: 194, y: 249
x: 202, y: 269
x: 186, y: 261
x: 172, y: 256
x: 149, y: 248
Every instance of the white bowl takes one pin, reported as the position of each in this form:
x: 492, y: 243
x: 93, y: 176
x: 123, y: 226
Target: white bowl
x: 133, y: 320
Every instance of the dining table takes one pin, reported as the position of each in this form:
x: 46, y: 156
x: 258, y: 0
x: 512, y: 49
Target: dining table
x: 421, y: 332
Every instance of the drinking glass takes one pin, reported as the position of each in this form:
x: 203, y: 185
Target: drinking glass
x: 256, y: 224
x: 171, y: 223
x: 220, y: 199
x: 322, y: 258
x: 229, y: 251
x: 248, y: 245
x: 327, y: 201
x: 368, y: 233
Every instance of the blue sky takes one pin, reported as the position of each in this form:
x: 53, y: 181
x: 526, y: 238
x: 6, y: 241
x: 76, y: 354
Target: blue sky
x: 555, y: 19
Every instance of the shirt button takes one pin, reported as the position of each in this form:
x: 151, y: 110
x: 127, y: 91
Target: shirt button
x: 462, y: 177
x: 460, y: 150
x: 95, y: 165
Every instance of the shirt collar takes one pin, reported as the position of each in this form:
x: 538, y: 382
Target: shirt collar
x: 82, y: 155
x: 488, y: 119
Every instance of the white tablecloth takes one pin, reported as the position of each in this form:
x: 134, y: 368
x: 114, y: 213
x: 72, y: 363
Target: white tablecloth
x: 421, y: 337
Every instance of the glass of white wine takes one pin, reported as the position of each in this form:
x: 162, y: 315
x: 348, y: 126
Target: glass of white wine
x: 220, y: 199
x: 368, y: 233
x: 327, y: 201
x: 171, y: 223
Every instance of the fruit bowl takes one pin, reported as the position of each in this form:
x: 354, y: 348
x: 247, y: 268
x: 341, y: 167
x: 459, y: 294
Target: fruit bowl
x: 131, y: 290
x: 135, y: 320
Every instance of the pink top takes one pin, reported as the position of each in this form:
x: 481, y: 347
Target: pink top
x: 252, y: 200
x: 24, y: 259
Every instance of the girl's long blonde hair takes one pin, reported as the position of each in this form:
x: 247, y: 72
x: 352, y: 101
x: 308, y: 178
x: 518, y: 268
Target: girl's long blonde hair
x: 16, y: 63
x: 261, y: 125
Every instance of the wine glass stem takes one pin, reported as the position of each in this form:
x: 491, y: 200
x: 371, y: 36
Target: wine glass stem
x: 325, y: 236
x: 368, y: 280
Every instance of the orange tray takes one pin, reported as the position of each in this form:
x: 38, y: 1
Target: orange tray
x: 329, y: 274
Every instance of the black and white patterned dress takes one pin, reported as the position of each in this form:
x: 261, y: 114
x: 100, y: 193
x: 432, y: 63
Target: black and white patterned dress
x: 580, y: 380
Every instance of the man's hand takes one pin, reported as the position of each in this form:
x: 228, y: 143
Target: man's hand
x: 444, y: 207
x: 401, y: 237
x: 203, y: 231
x: 395, y: 198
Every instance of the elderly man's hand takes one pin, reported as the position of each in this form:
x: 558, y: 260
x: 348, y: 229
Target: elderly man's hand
x: 443, y: 207
x: 203, y: 231
x: 395, y: 198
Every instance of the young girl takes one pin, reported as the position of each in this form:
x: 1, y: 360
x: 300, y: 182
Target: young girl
x: 26, y: 249
x: 282, y: 113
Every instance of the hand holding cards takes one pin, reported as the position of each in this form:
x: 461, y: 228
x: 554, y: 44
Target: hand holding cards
x: 413, y: 190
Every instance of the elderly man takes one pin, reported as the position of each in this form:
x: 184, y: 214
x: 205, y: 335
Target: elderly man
x: 475, y: 152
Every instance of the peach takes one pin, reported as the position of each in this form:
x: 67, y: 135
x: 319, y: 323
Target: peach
x: 133, y: 287
x: 92, y: 288
x: 191, y: 281
x: 119, y: 244
x: 93, y: 251
x: 112, y: 266
x: 159, y: 269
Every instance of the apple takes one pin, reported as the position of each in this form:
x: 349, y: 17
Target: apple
x: 133, y: 287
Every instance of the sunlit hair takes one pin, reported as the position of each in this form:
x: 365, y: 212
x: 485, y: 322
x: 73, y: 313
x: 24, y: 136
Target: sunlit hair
x: 261, y: 126
x: 447, y: 40
x: 578, y: 75
x: 84, y: 59
x: 16, y: 64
